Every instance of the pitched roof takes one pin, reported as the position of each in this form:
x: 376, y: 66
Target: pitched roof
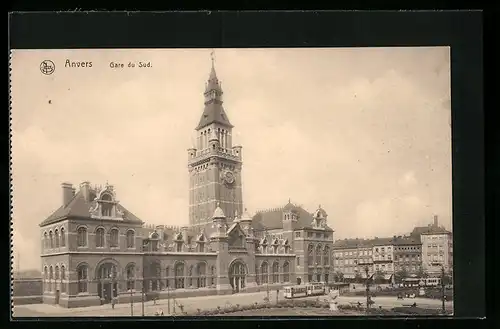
x: 408, y: 240
x: 430, y: 229
x: 273, y: 218
x: 352, y: 243
x: 214, y: 113
x: 80, y: 208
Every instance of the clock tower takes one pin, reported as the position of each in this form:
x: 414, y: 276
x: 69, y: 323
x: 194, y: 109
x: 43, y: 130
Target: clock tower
x: 214, y: 164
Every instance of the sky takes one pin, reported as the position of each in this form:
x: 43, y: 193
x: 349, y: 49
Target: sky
x: 363, y: 132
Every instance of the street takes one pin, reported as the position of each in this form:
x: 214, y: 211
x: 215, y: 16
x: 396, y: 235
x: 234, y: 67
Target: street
x: 192, y: 304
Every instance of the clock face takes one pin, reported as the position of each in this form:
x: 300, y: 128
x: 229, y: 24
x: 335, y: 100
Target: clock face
x: 229, y: 177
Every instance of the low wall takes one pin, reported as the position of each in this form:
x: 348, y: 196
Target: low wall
x: 27, y: 287
x: 25, y: 300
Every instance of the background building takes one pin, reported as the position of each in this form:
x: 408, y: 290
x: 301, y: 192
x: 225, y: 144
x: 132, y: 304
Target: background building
x: 407, y: 255
x: 352, y: 257
x: 437, y: 250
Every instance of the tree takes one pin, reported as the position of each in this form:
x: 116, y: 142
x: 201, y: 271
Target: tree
x: 401, y: 275
x: 447, y: 278
x: 358, y: 277
x: 379, y: 277
x: 421, y: 274
x: 338, y: 276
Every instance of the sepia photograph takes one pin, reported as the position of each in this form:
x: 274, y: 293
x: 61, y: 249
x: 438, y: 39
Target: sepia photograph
x: 231, y: 182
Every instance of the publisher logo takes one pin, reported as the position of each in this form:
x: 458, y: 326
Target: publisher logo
x: 47, y: 67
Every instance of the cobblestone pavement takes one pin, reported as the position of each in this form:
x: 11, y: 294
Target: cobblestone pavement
x: 192, y: 304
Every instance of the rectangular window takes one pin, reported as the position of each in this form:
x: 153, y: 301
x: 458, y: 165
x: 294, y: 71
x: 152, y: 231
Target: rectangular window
x: 297, y: 234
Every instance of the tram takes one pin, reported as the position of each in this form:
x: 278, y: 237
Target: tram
x: 432, y: 282
x: 309, y: 289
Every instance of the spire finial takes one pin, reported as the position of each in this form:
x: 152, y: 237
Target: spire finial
x: 218, y: 204
x: 289, y: 200
x: 212, y: 57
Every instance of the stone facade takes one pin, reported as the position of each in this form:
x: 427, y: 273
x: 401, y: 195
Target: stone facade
x: 95, y: 251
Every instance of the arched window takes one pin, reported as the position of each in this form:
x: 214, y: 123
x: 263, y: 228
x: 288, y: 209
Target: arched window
x: 257, y: 276
x: 107, y: 271
x: 212, y: 276
x: 167, y: 277
x: 310, y: 255
x: 113, y: 238
x: 107, y: 206
x: 130, y: 277
x: 99, y: 237
x: 57, y: 272
x: 63, y: 237
x: 178, y: 246
x: 326, y: 256
x: 130, y: 239
x: 82, y: 272
x: 46, y: 278
x: 45, y: 240
x: 286, y: 272
x: 56, y: 238
x: 264, y: 248
x: 201, y: 274
x: 51, y: 239
x: 63, y: 277
x: 51, y: 277
x: 179, y: 276
x: 264, y: 272
x: 318, y: 254
x: 276, y: 272
x: 82, y: 237
x: 190, y: 276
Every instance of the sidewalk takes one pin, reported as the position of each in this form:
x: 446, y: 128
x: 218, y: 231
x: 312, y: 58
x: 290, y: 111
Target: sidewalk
x: 190, y: 304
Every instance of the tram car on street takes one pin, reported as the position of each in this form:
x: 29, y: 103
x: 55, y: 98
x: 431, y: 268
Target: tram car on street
x: 310, y: 289
x: 432, y: 282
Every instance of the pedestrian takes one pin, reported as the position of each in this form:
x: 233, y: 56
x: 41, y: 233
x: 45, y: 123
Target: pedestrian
x: 113, y: 304
x: 161, y: 312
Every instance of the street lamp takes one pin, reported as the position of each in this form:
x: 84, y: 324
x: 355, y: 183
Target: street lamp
x: 142, y: 296
x: 367, y: 289
x: 442, y: 287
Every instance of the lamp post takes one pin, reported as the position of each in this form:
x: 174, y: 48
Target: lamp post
x: 442, y: 289
x: 443, y: 307
x: 367, y: 289
x: 142, y: 296
x: 131, y: 301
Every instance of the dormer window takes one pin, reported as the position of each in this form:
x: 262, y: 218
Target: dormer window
x: 107, y: 205
x: 264, y: 248
x: 200, y: 244
x: 154, y: 245
x: 154, y: 242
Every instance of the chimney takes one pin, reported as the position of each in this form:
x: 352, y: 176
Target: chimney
x: 85, y: 189
x: 68, y: 193
x: 435, y: 220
